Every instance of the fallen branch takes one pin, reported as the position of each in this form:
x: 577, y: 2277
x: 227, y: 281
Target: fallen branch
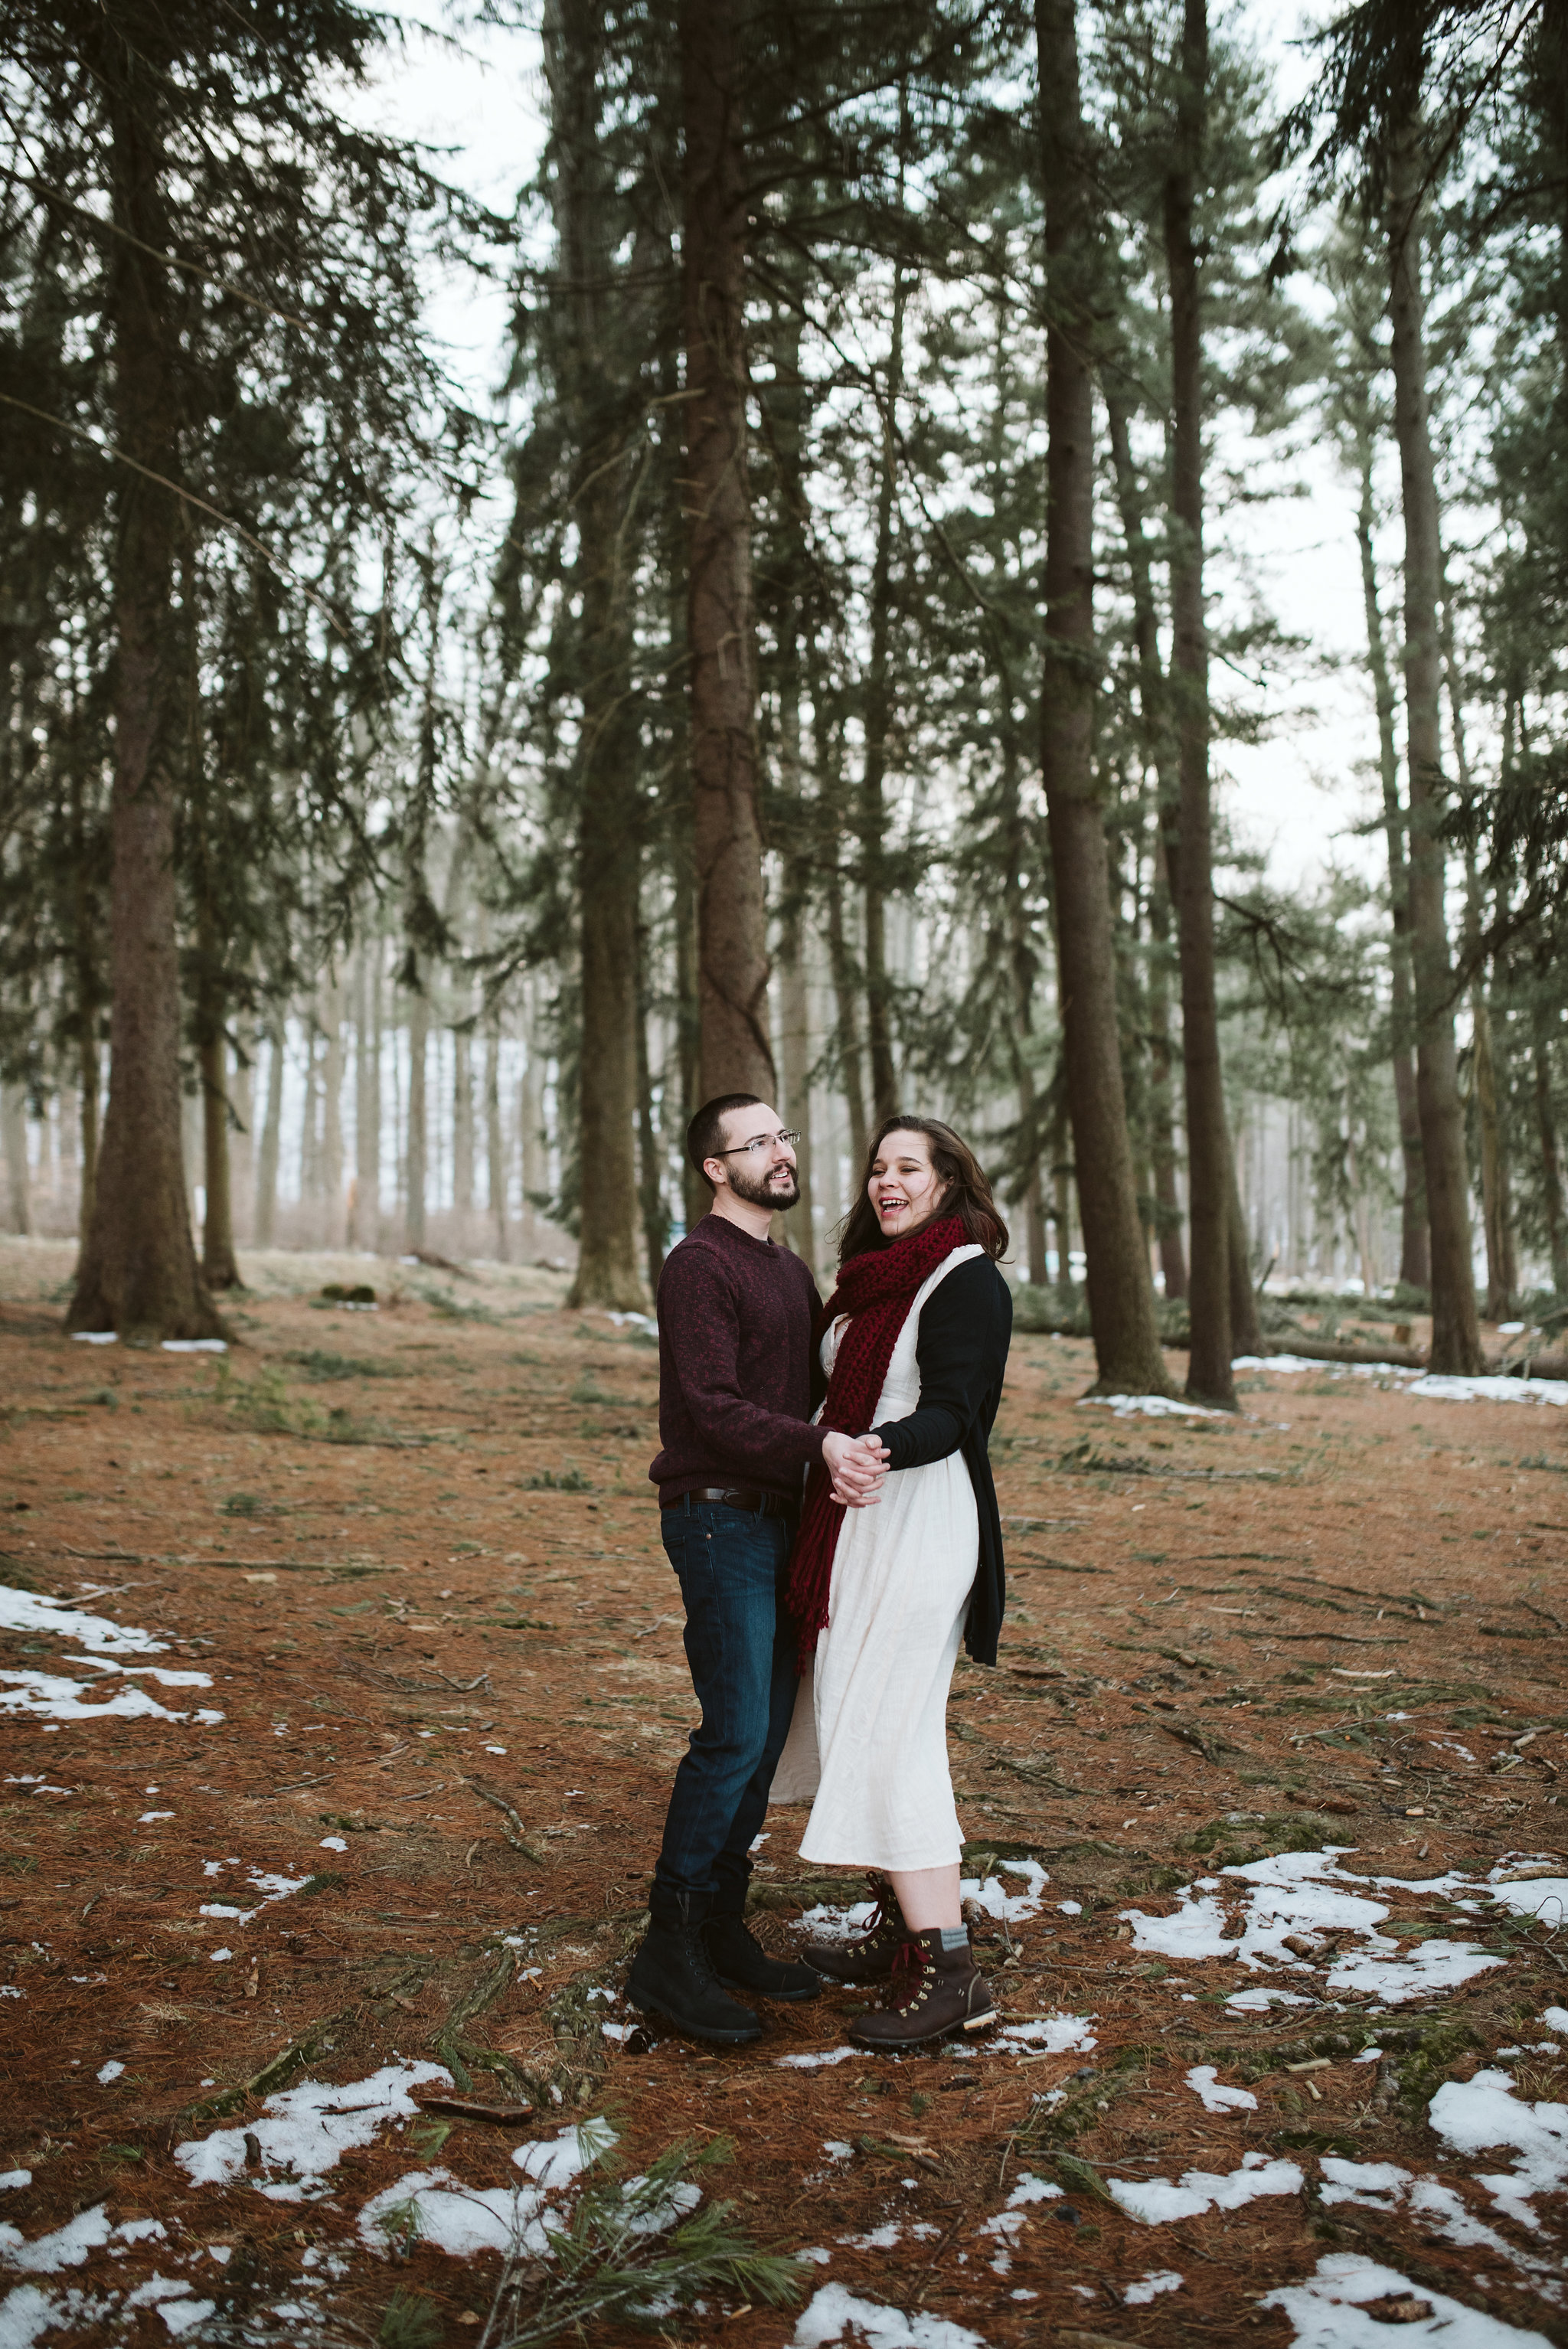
x: 512, y: 1822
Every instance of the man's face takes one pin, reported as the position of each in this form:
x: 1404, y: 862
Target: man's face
x: 766, y: 1176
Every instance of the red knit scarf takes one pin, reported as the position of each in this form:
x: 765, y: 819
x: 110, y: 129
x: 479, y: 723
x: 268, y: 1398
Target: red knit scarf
x: 876, y: 1289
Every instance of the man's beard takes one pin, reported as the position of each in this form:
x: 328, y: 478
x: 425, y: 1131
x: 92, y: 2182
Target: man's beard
x: 765, y: 1190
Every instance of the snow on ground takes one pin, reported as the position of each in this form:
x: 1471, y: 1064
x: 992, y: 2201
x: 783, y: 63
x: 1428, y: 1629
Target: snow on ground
x: 1205, y: 2084
x: 303, y: 2132
x: 1046, y: 2034
x: 1430, y: 1386
x: 834, y: 2314
x: 70, y: 2245
x: 1438, y: 2207
x: 1303, y: 1894
x: 1336, y: 2309
x: 1153, y: 1407
x: 1149, y: 2287
x: 1474, y: 2115
x: 1158, y: 2200
x: 51, y: 1696
x: 268, y: 1885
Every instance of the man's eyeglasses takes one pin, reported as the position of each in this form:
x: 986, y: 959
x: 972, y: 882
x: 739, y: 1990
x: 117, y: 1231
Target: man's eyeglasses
x: 758, y: 1143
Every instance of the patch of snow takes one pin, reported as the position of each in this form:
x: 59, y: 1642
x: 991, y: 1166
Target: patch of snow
x: 50, y: 1697
x: 1476, y: 2114
x: 109, y: 2070
x: 26, y: 1611
x: 195, y: 1345
x: 1070, y: 1907
x: 1205, y: 2084
x: 1290, y: 1364
x: 1296, y: 1893
x: 433, y: 2207
x: 836, y: 2313
x: 95, y: 1337
x: 1555, y: 2018
x: 333, y: 1843
x: 222, y: 1957
x: 813, y: 2063
x: 147, y: 1818
x: 992, y: 1896
x: 1153, y: 1407
x: 13, y: 2178
x: 265, y: 1881
x: 1433, y: 1389
x: 1149, y: 2287
x: 1384, y: 2186
x: 303, y: 2132
x: 27, y: 2312
x: 879, y: 2239
x: 813, y: 2256
x: 1158, y: 2200
x: 1049, y: 2035
x: 837, y: 2149
x: 1329, y: 2311
x: 68, y: 2246
x: 1537, y: 1896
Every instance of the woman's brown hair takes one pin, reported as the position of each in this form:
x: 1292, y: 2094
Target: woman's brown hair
x: 968, y: 1193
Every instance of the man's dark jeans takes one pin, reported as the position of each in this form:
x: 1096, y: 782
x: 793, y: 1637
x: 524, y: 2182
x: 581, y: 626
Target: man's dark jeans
x: 740, y: 1644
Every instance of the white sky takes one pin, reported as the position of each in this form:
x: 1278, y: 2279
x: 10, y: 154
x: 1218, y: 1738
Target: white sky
x: 1297, y: 796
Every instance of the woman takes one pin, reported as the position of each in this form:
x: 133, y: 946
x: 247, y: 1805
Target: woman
x: 914, y: 1342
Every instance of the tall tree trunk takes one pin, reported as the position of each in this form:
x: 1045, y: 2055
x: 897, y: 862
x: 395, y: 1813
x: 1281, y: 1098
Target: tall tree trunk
x: 737, y: 1056
x: 1246, y: 1327
x: 1062, y: 1189
x: 495, y: 1139
x: 333, y: 1064
x: 1546, y: 1129
x: 1496, y: 1192
x: 688, y: 1020
x: 1154, y: 726
x: 1456, y: 1333
x: 872, y: 813
x: 367, y: 1231
x: 138, y: 1272
x: 1208, y: 1171
x: 14, y: 1137
x: 795, y: 1066
x: 1021, y: 974
x: 416, y: 1143
x: 652, y: 1215
x: 1120, y: 1291
x: 841, y: 957
x: 270, y: 1154
x: 1415, y: 1256
x: 605, y: 421
x: 462, y: 1129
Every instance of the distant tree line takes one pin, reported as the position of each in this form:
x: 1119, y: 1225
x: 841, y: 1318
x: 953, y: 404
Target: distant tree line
x: 837, y: 708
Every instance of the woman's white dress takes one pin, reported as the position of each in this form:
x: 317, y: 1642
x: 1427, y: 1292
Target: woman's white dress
x: 868, y: 1745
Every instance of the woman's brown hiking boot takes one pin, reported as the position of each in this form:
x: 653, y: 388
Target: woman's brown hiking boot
x: 868, y: 1958
x: 938, y: 1993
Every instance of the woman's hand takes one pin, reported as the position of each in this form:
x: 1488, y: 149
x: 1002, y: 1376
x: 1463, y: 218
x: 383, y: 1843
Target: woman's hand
x: 857, y: 1465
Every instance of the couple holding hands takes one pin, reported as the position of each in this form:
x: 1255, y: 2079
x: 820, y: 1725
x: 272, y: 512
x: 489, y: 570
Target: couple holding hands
x: 830, y: 1566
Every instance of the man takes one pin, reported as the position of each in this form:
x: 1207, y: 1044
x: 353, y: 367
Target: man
x: 736, y: 1361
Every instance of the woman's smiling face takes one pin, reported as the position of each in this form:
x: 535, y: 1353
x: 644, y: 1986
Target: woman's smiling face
x: 904, y: 1189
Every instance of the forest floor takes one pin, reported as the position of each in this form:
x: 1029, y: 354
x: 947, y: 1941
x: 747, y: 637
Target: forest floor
x: 335, y: 1779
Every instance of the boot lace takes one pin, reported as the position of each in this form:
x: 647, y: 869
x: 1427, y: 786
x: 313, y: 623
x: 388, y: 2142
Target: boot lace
x: 908, y: 1967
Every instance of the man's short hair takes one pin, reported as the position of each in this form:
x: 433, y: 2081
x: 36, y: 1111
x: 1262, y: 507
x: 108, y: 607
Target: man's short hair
x: 705, y: 1134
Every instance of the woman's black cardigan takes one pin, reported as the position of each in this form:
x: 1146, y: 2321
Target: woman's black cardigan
x: 965, y: 1325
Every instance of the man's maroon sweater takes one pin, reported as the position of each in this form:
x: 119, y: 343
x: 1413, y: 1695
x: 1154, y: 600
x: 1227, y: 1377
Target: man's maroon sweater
x: 735, y: 1317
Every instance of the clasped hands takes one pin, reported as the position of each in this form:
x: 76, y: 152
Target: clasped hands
x: 857, y: 1465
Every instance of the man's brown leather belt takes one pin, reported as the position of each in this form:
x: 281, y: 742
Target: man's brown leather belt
x: 739, y: 1496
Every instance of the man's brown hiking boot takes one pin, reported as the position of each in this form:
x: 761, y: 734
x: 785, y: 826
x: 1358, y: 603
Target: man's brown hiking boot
x: 938, y: 1993
x: 868, y: 1958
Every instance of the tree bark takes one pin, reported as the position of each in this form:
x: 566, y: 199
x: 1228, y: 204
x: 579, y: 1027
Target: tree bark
x: 333, y: 1062
x: 1208, y: 1171
x: 415, y: 1146
x: 1415, y: 1255
x: 1020, y: 953
x: 267, y: 1159
x: 605, y: 421
x: 495, y: 1139
x: 138, y: 1272
x: 1456, y: 1334
x: 872, y: 813
x: 795, y: 1060
x: 737, y: 1055
x: 1546, y: 1129
x: 1120, y: 1291
x: 1154, y: 722
x: 14, y: 1137
x: 366, y: 1230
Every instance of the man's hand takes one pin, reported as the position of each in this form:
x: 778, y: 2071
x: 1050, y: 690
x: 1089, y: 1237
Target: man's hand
x: 857, y: 1464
